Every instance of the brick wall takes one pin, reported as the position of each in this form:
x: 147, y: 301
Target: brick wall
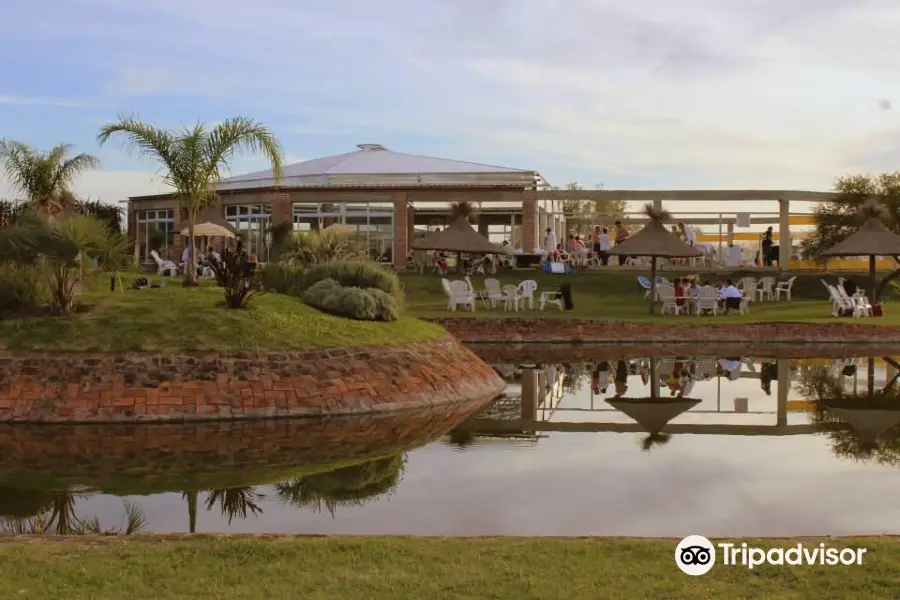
x: 568, y: 353
x: 401, y: 230
x: 160, y: 457
x: 531, y: 238
x: 473, y: 330
x: 54, y: 387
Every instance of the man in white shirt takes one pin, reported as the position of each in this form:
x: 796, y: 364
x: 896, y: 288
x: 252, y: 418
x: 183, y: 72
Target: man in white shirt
x: 550, y: 241
x: 731, y: 296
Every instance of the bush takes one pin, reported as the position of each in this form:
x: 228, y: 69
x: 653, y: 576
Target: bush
x: 355, y: 274
x: 22, y: 288
x: 282, y: 278
x: 361, y: 304
x: 237, y: 275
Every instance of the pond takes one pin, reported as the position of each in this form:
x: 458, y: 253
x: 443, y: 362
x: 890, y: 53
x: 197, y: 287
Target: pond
x: 719, y: 446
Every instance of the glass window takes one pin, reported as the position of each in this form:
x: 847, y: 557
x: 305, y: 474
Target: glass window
x: 154, y: 230
x: 252, y: 222
x: 373, y: 222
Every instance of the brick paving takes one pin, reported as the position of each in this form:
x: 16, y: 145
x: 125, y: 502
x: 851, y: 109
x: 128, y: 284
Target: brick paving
x: 82, y: 387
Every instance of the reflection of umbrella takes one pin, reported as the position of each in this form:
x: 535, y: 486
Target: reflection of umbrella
x: 872, y: 239
x: 460, y: 237
x: 870, y: 424
x: 210, y: 224
x: 652, y: 414
x: 655, y: 241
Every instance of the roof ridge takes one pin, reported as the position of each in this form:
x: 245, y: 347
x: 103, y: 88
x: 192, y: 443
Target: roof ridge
x: 464, y: 162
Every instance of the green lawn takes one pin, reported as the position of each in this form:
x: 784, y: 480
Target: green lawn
x: 617, y: 296
x: 403, y: 568
x: 176, y: 318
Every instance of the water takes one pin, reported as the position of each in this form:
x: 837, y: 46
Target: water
x: 744, y: 456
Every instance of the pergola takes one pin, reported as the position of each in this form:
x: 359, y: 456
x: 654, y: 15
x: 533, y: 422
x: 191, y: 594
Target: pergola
x: 670, y: 197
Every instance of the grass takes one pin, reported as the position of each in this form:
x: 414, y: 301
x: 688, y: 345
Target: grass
x: 317, y: 568
x: 616, y: 296
x: 178, y: 319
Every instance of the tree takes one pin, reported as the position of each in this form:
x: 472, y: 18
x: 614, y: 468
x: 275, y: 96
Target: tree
x: 194, y: 158
x: 840, y: 217
x: 45, y: 178
x: 600, y: 211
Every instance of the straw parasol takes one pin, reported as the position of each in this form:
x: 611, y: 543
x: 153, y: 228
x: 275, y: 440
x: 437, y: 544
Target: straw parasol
x: 873, y: 239
x: 655, y: 241
x: 459, y: 236
x: 653, y: 414
x: 209, y: 223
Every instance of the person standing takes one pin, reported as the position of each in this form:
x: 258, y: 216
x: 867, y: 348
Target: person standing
x: 767, y: 244
x: 550, y: 242
x: 602, y: 246
x: 621, y: 236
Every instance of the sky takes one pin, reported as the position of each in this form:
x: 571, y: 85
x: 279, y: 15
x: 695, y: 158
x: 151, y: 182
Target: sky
x: 647, y: 94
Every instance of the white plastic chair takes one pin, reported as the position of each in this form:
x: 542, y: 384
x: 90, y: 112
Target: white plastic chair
x: 841, y: 303
x: 526, y: 292
x: 707, y: 300
x: 163, y: 266
x: 667, y: 297
x: 494, y: 291
x: 765, y: 288
x: 509, y: 297
x: 460, y: 295
x: 784, y: 287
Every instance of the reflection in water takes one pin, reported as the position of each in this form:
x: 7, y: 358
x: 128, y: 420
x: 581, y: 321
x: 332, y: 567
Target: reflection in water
x: 738, y: 444
x: 350, y: 486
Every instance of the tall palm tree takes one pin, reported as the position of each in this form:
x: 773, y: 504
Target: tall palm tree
x: 191, y: 497
x: 235, y: 502
x: 44, y: 178
x: 57, y: 516
x: 194, y: 158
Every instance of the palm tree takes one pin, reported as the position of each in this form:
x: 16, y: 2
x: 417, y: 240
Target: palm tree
x: 57, y: 516
x: 235, y: 502
x: 191, y: 498
x: 45, y: 178
x: 194, y: 158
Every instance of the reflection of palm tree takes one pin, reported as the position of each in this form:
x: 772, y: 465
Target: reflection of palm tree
x: 191, y: 499
x: 58, y: 517
x: 350, y: 486
x: 235, y: 502
x: 655, y: 439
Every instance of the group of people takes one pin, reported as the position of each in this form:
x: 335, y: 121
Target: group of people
x: 600, y: 243
x: 687, y: 290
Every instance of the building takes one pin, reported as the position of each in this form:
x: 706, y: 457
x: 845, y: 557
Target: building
x: 387, y: 196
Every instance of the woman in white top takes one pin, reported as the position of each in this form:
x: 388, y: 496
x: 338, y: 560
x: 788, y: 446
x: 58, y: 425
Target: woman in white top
x: 602, y: 245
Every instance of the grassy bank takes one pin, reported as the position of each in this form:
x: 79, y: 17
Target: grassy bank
x: 400, y: 568
x: 176, y: 318
x: 617, y: 296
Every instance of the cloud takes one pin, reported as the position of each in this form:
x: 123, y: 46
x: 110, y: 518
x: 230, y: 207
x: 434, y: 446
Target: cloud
x: 698, y: 93
x: 14, y: 100
x: 108, y: 186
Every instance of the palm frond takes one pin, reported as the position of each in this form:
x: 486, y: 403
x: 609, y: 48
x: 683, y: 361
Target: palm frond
x: 873, y: 209
x: 147, y: 140
x: 236, y: 135
x: 661, y: 215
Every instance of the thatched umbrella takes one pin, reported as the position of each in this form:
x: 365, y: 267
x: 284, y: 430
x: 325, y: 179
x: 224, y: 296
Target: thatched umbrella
x: 873, y: 239
x: 459, y: 236
x: 653, y: 414
x: 209, y: 223
x: 655, y: 241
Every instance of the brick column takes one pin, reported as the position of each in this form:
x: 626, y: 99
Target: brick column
x: 401, y: 230
x: 282, y: 207
x: 530, y: 235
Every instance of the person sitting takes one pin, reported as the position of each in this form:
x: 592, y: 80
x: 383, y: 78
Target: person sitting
x: 730, y: 296
x: 850, y: 287
x: 680, y: 284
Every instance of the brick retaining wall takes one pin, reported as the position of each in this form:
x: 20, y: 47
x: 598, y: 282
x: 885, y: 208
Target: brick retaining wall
x: 494, y: 330
x: 81, y: 387
x: 157, y: 457
x: 567, y: 353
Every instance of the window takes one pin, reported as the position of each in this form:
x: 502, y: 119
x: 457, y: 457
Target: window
x: 373, y: 223
x: 155, y: 230
x: 252, y: 222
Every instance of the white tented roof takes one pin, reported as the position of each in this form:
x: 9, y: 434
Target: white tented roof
x: 374, y: 165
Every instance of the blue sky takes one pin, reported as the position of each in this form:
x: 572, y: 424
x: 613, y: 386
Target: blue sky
x: 644, y: 94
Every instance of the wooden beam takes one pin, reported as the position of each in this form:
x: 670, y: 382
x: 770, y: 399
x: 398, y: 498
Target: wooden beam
x: 686, y: 195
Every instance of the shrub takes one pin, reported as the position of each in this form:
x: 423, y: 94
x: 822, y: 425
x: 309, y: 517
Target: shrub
x: 387, y: 308
x: 237, y: 275
x: 282, y: 278
x: 361, y: 304
x: 22, y: 288
x: 355, y: 274
x: 321, y: 246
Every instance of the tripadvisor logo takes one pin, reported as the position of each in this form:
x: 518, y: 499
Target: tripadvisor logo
x: 696, y: 555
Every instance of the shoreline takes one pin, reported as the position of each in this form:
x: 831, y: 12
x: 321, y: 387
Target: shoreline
x: 477, y: 330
